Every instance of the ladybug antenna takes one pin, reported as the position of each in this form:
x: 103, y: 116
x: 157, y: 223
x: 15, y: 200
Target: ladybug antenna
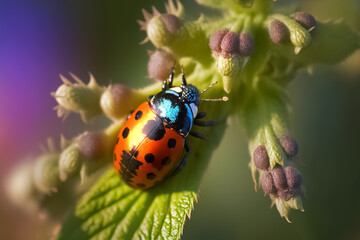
x: 223, y: 99
x: 183, y: 83
x: 211, y: 85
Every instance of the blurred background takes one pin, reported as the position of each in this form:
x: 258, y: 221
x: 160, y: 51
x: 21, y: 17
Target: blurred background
x: 41, y: 39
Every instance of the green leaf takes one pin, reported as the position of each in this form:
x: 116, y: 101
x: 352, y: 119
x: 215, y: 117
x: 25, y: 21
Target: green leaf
x: 331, y: 43
x: 265, y: 117
x: 113, y: 210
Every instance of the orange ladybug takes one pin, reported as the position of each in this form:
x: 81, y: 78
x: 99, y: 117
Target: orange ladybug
x: 150, y: 144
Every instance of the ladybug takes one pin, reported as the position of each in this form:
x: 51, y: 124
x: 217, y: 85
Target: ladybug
x: 150, y: 143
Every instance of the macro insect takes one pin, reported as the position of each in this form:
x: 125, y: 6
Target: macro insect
x: 150, y: 143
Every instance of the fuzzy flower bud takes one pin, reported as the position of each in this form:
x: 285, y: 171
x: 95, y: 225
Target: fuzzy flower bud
x: 116, y: 101
x: 279, y: 178
x: 162, y: 29
x: 267, y: 183
x: 278, y: 32
x: 246, y: 45
x: 160, y: 65
x: 78, y: 97
x: 299, y: 36
x: 261, y: 158
x: 306, y: 20
x: 46, y: 173
x: 69, y: 162
x: 172, y: 23
x: 215, y: 40
x: 289, y: 193
x: 289, y: 145
x: 90, y: 144
x: 227, y: 66
x: 229, y: 45
x: 293, y: 177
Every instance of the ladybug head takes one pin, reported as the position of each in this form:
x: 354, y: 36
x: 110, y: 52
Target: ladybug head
x: 190, y: 94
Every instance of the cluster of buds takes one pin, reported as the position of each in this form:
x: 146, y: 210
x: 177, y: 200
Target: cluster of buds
x: 229, y: 44
x: 281, y: 183
x: 90, y: 100
x: 230, y: 49
x: 33, y: 185
x: 283, y: 29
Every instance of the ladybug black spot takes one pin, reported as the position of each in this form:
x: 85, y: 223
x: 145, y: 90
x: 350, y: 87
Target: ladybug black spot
x: 141, y: 185
x: 151, y: 176
x: 138, y: 115
x: 165, y: 161
x: 149, y: 158
x: 154, y: 129
x: 128, y: 166
x: 125, y: 133
x: 171, y: 143
x: 134, y: 152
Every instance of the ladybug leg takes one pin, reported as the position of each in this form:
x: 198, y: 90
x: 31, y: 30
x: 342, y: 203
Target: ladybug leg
x: 150, y: 97
x: 171, y: 78
x: 197, y: 135
x: 204, y: 124
x: 182, y: 164
x: 200, y: 115
x: 166, y: 86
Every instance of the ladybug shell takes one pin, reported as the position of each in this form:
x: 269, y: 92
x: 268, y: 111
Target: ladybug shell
x: 147, y: 150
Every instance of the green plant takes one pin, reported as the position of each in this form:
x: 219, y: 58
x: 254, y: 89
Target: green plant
x: 253, y: 53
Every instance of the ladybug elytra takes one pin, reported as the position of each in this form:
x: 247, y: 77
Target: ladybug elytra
x: 150, y: 143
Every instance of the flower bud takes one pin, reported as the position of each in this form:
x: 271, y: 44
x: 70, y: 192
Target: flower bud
x: 163, y: 29
x: 69, y: 162
x: 172, y: 22
x: 287, y: 194
x: 279, y: 178
x: 246, y: 45
x: 229, y: 45
x: 278, y: 32
x: 267, y: 183
x: 299, y: 36
x: 46, y: 173
x: 305, y: 19
x: 289, y: 145
x: 116, y: 101
x: 215, y: 40
x: 79, y: 97
x: 160, y: 65
x: 293, y: 177
x: 90, y: 144
x: 227, y: 66
x: 261, y: 158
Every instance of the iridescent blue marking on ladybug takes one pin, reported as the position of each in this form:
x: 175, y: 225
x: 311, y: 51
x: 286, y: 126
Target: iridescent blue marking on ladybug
x: 177, y: 106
